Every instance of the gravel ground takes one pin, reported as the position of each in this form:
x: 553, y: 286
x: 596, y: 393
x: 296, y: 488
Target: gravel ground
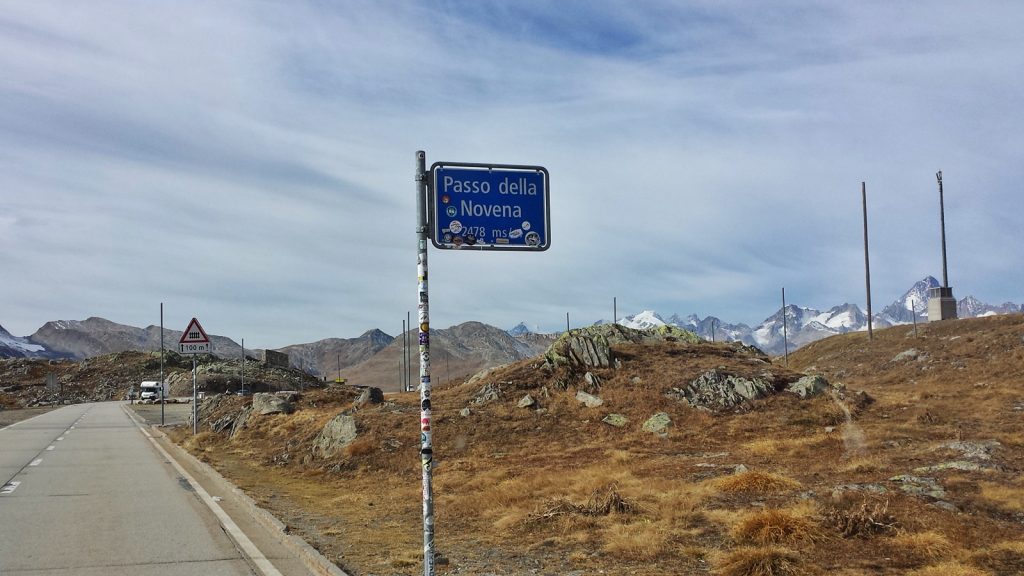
x: 8, y: 417
x: 174, y: 414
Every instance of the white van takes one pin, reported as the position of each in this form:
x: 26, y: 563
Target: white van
x: 149, y: 390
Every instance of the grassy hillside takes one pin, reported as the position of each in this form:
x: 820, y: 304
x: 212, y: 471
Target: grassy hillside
x: 908, y: 464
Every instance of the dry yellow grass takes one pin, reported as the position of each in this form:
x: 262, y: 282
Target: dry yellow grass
x: 1009, y: 498
x: 778, y: 526
x: 767, y: 561
x: 949, y: 569
x: 926, y: 546
x: 796, y: 447
x: 755, y: 482
x: 637, y: 541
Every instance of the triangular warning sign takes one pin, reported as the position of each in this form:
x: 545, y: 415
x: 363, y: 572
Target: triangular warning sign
x: 194, y: 334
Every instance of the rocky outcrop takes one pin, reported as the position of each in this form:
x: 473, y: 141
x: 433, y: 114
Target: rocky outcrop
x: 808, y: 386
x: 339, y: 432
x: 715, y: 390
x: 264, y: 404
x: 591, y: 347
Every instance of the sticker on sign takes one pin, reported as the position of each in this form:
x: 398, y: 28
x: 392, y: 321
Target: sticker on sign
x: 490, y: 206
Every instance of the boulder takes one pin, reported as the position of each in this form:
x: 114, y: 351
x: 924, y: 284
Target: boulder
x: 592, y: 382
x: 588, y: 400
x: 264, y: 404
x: 617, y: 420
x: 808, y: 386
x: 465, y: 412
x: 369, y: 396
x: 526, y: 402
x: 336, y: 434
x: 658, y: 424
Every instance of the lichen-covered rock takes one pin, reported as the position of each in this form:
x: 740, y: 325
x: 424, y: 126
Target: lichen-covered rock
x: 588, y: 400
x: 489, y: 393
x: 264, y: 404
x: 617, y: 420
x: 658, y: 424
x: 339, y: 432
x: 526, y: 402
x: 808, y: 386
x: 591, y: 347
x: 717, y: 390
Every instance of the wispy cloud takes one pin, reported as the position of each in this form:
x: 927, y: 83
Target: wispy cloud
x: 252, y: 163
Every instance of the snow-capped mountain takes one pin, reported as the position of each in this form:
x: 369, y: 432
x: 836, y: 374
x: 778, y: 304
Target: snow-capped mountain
x: 805, y: 325
x: 913, y: 303
x: 643, y: 320
x: 712, y: 328
x: 971, y: 307
x: 16, y: 347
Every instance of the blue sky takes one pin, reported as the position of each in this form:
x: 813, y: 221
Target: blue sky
x: 251, y: 163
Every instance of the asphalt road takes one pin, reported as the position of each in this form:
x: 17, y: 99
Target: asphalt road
x: 84, y: 492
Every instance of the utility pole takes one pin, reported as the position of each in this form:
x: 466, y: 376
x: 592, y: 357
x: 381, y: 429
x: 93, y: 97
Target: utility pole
x: 712, y: 330
x: 785, y: 335
x: 162, y: 399
x: 243, y: 363
x: 567, y: 323
x: 941, y: 304
x: 867, y: 263
x: 402, y: 367
x: 408, y: 351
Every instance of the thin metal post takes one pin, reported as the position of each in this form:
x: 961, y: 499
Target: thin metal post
x: 867, y: 263
x: 712, y: 330
x: 161, y: 363
x: 243, y: 363
x: 615, y: 310
x: 339, y: 366
x: 942, y: 221
x: 426, y: 435
x: 566, y: 322
x: 785, y: 335
x: 195, y: 399
x: 408, y: 351
x: 913, y: 314
x: 403, y: 364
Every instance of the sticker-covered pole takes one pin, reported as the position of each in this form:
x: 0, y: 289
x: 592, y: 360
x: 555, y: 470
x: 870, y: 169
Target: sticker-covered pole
x: 426, y: 436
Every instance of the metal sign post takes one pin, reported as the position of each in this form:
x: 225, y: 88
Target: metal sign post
x: 471, y: 206
x: 423, y: 307
x: 195, y: 408
x: 194, y: 341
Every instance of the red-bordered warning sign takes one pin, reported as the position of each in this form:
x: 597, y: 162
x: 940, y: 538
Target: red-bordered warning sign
x: 194, y: 334
x: 194, y: 339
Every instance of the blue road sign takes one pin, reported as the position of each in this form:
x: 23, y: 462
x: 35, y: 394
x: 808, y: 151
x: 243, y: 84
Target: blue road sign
x: 490, y: 207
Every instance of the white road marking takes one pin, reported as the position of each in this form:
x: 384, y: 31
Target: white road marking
x: 59, y: 439
x: 9, y: 488
x: 50, y: 447
x: 36, y: 462
x: 254, y: 554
